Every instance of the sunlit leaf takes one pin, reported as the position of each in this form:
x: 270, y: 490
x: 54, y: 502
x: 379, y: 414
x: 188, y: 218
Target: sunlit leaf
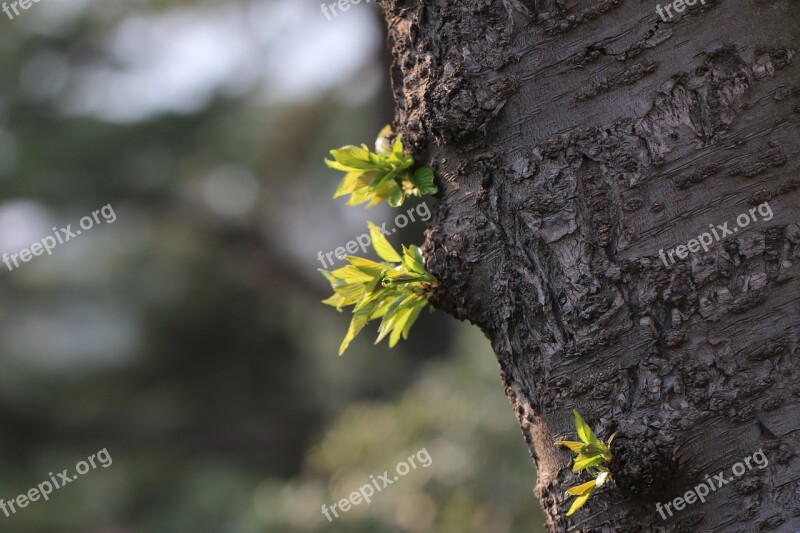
x: 351, y: 274
x: 572, y: 445
x: 360, y: 319
x: 416, y: 310
x: 413, y: 260
x: 336, y: 300
x: 382, y: 246
x: 359, y: 196
x: 582, y: 489
x: 398, y: 147
x: 394, y: 291
x: 399, y: 324
x: 584, y: 431
x: 354, y: 180
x: 354, y: 158
x: 391, y: 316
x: 579, y: 502
x: 383, y: 175
x: 586, y: 461
x: 371, y: 268
x: 382, y: 191
x: 593, y: 454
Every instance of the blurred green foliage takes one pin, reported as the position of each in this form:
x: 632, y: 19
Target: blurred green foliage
x: 478, y: 479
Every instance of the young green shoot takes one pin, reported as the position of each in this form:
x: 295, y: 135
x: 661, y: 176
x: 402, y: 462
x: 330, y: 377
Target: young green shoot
x: 381, y: 175
x: 395, y: 290
x: 593, y: 456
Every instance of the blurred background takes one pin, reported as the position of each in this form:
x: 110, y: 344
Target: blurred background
x: 187, y: 337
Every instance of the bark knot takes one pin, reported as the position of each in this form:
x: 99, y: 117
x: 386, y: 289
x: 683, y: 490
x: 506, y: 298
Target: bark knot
x: 642, y: 465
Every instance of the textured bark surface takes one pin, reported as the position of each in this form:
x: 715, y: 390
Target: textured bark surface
x: 572, y: 141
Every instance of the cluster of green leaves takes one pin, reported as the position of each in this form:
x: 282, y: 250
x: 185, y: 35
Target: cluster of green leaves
x: 381, y: 175
x: 395, y: 290
x: 593, y: 456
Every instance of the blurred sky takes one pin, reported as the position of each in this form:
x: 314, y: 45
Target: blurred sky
x: 175, y: 62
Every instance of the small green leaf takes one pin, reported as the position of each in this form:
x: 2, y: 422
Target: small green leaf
x: 572, y: 445
x: 413, y: 260
x: 382, y: 308
x: 382, y: 246
x: 417, y: 309
x: 397, y: 196
x: 366, y: 266
x: 392, y: 314
x: 380, y: 192
x: 586, y: 461
x: 398, y: 149
x: 582, y: 489
x: 423, y: 180
x: 579, y: 502
x: 357, y: 179
x: 592, y: 456
x: 360, y: 319
x: 354, y: 158
x: 351, y: 274
x: 399, y: 324
x: 394, y: 291
x: 383, y: 175
x: 584, y: 431
x: 336, y: 300
x: 591, y: 449
x: 351, y: 292
x: 380, y: 161
x: 330, y: 277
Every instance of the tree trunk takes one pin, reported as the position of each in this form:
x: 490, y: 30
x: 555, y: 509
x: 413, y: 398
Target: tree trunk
x: 572, y: 143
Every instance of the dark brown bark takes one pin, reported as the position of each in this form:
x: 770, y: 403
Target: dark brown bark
x: 573, y: 142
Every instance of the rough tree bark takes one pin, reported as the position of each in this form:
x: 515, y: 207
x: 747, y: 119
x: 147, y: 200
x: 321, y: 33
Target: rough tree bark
x: 572, y: 141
